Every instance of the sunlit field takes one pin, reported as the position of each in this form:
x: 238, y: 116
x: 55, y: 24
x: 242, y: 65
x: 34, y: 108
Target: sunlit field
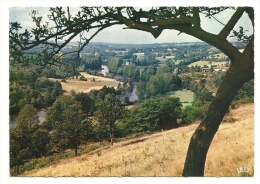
x: 87, y: 86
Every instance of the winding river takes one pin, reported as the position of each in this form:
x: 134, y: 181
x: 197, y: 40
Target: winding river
x: 132, y: 96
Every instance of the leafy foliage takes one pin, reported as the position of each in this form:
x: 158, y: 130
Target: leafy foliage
x: 241, y: 36
x: 25, y: 142
x: 191, y: 114
x: 27, y: 117
x: 158, y: 84
x: 154, y: 114
x: 110, y: 110
x: 68, y: 128
x: 28, y: 86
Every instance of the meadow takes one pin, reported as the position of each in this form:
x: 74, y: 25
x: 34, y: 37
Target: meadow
x: 163, y: 153
x: 186, y: 96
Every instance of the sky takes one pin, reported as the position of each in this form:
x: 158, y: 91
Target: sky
x: 19, y: 12
x: 116, y: 34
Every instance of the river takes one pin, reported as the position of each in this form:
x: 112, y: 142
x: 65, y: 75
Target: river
x: 132, y: 96
x: 104, y: 70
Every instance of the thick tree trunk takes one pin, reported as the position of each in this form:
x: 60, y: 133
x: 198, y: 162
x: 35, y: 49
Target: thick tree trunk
x: 241, y: 71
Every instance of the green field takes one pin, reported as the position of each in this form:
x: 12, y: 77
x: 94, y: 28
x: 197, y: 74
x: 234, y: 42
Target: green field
x: 186, y: 96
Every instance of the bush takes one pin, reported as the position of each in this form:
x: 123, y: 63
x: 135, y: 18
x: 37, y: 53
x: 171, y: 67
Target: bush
x: 82, y: 78
x: 191, y: 114
x: 154, y: 114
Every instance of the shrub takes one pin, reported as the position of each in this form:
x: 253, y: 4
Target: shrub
x: 191, y: 114
x: 154, y: 114
x: 82, y: 78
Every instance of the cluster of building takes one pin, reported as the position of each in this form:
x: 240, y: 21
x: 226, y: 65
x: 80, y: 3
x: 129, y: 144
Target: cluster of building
x: 215, y: 69
x: 222, y: 67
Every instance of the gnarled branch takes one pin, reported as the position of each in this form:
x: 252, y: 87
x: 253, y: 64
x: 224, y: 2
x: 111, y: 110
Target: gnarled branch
x: 231, y: 23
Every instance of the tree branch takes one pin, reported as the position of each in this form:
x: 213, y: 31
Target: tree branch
x: 231, y: 23
x: 196, y: 17
x: 250, y: 12
x: 172, y: 21
x: 249, y: 53
x: 135, y: 25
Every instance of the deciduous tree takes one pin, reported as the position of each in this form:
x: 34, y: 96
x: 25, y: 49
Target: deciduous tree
x: 27, y: 117
x: 65, y: 118
x: 110, y: 110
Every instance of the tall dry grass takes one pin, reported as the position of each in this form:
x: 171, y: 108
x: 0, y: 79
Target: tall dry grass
x: 163, y: 154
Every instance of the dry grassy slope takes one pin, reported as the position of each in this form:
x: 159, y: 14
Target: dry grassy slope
x: 163, y: 154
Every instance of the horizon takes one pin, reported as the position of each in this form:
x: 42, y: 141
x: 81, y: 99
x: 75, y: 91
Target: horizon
x: 103, y: 42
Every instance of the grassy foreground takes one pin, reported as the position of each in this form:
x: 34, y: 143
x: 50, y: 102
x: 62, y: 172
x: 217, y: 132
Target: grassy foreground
x: 163, y: 153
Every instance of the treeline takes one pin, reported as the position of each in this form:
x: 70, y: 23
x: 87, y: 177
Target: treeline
x: 119, y: 67
x: 152, y: 80
x: 148, y: 58
x: 29, y: 86
x: 58, y: 73
x: 157, y: 84
x: 190, y: 54
x: 89, y: 62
